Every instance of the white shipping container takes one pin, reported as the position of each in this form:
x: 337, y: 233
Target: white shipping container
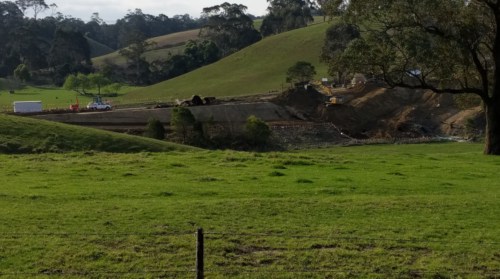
x: 27, y: 106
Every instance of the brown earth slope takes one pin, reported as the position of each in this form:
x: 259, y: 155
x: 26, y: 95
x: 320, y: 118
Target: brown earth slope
x: 378, y: 112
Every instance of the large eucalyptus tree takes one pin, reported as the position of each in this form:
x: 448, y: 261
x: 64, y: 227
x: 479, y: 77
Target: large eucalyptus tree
x: 229, y: 27
x: 447, y: 46
x: 286, y: 15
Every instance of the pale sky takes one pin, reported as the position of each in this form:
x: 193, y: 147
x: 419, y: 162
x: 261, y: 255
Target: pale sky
x: 111, y: 10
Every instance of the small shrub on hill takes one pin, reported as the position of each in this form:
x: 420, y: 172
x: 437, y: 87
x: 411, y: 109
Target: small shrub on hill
x: 155, y: 129
x: 257, y: 132
x: 182, y: 121
x: 22, y: 73
x: 300, y: 72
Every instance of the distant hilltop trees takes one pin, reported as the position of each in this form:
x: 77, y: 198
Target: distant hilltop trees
x: 48, y: 49
x: 60, y: 42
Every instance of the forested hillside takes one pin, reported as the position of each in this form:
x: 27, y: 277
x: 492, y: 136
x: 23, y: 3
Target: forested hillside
x: 65, y: 45
x: 46, y: 50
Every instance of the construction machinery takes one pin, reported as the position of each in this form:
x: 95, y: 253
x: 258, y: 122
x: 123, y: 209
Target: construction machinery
x: 336, y: 100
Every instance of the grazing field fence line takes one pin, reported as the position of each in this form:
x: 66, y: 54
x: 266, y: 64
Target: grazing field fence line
x: 200, y: 239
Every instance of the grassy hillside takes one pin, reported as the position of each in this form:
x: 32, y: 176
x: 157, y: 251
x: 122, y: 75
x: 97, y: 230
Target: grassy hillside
x: 26, y: 135
x: 393, y: 211
x: 50, y: 97
x: 175, y: 38
x: 259, y: 68
x: 173, y: 43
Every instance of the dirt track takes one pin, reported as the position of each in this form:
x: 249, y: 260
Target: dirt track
x: 126, y: 119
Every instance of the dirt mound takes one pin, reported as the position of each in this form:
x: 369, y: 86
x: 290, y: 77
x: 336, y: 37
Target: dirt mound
x: 470, y: 122
x: 302, y: 102
x: 372, y: 111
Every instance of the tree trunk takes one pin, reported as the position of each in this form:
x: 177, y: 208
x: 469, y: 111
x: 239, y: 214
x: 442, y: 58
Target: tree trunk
x: 492, y: 140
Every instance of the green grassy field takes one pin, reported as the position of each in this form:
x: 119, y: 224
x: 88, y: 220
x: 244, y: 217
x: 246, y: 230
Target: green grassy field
x: 390, y: 211
x: 259, y: 68
x: 52, y: 97
x: 26, y: 135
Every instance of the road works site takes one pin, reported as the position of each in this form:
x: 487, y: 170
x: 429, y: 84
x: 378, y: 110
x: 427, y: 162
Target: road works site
x: 306, y: 117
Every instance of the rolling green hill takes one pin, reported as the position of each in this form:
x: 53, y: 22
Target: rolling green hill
x: 173, y: 43
x: 259, y: 68
x: 26, y: 135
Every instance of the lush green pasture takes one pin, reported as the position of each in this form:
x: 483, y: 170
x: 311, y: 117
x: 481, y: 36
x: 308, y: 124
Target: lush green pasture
x: 51, y: 97
x: 259, y: 68
x: 416, y: 211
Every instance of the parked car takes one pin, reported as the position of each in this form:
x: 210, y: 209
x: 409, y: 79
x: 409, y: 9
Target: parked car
x: 98, y: 104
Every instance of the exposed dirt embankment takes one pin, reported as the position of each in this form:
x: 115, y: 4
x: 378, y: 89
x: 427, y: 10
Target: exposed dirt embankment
x: 377, y: 112
x: 233, y: 114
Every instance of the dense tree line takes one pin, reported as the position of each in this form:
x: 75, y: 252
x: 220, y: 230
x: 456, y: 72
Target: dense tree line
x: 51, y: 48
x: 120, y: 34
x: 60, y: 43
x: 285, y: 15
x: 138, y: 70
x: 229, y: 27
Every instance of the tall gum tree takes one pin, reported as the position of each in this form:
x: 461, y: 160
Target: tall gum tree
x: 229, y: 27
x: 447, y: 46
x: 286, y: 15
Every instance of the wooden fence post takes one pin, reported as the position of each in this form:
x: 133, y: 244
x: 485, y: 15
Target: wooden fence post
x: 200, y: 265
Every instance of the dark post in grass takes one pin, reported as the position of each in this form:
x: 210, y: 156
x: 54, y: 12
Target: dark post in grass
x: 200, y: 265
